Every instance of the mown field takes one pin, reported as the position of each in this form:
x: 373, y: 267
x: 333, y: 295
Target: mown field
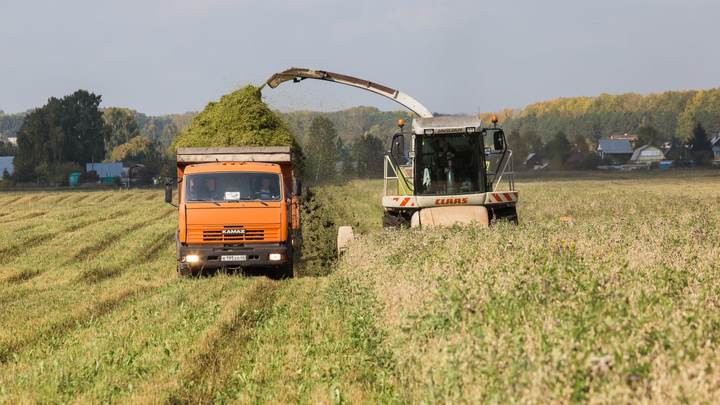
x: 606, y: 292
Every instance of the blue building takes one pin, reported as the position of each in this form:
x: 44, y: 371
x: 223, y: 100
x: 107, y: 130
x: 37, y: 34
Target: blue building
x: 106, y: 171
x: 6, y: 163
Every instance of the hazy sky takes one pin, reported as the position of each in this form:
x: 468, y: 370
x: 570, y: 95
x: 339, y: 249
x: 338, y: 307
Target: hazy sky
x: 164, y: 56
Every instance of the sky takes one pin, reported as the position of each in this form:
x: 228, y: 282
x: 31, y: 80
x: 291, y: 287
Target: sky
x: 173, y: 56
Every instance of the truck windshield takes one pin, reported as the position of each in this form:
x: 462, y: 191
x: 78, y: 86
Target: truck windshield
x: 231, y: 187
x: 448, y: 164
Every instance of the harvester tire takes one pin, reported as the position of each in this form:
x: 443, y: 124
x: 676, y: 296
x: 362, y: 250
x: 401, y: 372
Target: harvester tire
x: 505, y: 214
x: 391, y: 221
x: 345, y: 236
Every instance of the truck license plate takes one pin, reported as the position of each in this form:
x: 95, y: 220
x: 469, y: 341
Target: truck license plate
x: 233, y: 258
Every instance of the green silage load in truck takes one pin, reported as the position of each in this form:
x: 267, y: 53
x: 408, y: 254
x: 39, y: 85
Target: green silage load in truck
x: 239, y: 118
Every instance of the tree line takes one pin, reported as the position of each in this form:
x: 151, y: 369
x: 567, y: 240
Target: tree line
x: 329, y: 158
x: 577, y: 152
x: 571, y: 127
x: 66, y: 133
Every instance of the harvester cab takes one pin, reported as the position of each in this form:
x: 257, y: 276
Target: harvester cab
x: 450, y: 172
x: 445, y: 170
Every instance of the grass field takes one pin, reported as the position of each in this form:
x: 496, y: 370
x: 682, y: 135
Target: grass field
x: 606, y: 292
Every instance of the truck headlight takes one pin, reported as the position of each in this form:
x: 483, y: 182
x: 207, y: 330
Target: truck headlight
x: 275, y: 257
x: 192, y: 258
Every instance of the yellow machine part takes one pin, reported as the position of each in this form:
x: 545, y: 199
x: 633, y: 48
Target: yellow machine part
x: 404, y: 184
x: 448, y: 216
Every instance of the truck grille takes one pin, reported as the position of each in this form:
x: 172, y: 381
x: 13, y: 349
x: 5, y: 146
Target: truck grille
x: 234, y: 234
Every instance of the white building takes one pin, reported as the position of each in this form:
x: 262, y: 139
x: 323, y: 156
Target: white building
x: 715, y: 142
x: 647, y: 154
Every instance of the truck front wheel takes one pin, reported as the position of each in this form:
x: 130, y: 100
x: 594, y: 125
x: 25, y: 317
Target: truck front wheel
x: 184, y: 271
x: 287, y: 270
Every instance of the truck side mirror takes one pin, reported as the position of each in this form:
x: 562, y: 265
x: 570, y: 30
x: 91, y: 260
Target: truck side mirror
x: 297, y: 187
x: 168, y: 191
x: 397, y: 149
x: 499, y: 140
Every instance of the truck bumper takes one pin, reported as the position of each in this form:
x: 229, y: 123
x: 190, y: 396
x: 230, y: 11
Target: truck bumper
x: 211, y: 256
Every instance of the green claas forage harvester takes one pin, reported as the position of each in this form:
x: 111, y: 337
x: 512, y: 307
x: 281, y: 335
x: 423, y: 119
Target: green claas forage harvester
x: 445, y: 170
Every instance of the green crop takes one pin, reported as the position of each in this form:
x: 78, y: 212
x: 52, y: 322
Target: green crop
x: 240, y: 118
x: 605, y: 292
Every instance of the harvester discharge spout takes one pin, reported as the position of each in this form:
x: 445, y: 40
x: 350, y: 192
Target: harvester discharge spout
x: 299, y: 74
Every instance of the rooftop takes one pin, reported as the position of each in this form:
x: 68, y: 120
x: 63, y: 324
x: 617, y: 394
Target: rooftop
x: 615, y: 146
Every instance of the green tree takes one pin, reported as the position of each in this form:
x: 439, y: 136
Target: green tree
x: 81, y: 120
x: 367, y: 153
x: 7, y: 149
x: 520, y: 148
x: 121, y: 125
x: 648, y: 135
x: 139, y: 150
x: 347, y: 167
x: 534, y: 141
x: 558, y: 150
x: 34, y: 146
x: 168, y: 134
x: 581, y: 144
x: 321, y: 150
x: 68, y: 130
x: 700, y: 146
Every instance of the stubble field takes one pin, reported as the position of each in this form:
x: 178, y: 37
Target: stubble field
x: 607, y: 291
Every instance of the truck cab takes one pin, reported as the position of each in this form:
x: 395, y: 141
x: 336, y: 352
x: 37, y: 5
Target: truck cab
x: 237, y: 208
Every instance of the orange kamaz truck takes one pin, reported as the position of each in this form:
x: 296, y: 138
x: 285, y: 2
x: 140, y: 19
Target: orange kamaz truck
x: 237, y: 208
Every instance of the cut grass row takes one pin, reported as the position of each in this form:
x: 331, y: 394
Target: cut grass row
x: 94, y: 312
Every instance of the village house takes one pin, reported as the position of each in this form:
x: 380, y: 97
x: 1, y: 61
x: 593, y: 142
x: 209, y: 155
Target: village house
x: 535, y: 162
x: 615, y: 151
x: 715, y: 142
x: 647, y: 154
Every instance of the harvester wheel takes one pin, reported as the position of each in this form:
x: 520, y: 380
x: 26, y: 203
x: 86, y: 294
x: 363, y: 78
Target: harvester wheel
x: 505, y: 214
x: 394, y: 221
x: 345, y: 235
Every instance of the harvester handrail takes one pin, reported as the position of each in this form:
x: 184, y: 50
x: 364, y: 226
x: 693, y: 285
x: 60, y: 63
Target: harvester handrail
x: 507, y: 159
x: 399, y: 176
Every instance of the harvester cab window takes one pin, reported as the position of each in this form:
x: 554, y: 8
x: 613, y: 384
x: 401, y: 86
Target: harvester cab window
x: 232, y: 187
x: 448, y: 164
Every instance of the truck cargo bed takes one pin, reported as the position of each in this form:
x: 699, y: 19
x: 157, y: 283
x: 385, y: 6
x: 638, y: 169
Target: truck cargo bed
x: 268, y: 154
